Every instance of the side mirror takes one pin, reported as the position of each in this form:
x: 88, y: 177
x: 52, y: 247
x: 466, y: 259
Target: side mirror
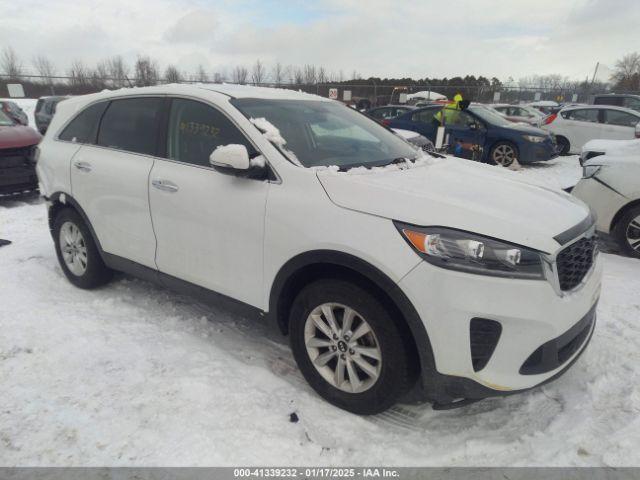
x: 231, y: 156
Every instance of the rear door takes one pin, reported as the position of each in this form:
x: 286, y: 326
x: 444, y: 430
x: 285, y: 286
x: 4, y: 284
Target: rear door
x: 619, y: 125
x: 581, y: 125
x: 109, y: 178
x: 209, y: 225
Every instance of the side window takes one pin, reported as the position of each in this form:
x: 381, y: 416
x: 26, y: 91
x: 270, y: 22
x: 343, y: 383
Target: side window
x: 424, y: 116
x: 49, y: 107
x: 621, y: 119
x: 379, y: 113
x: 131, y: 124
x: 82, y: 129
x: 583, y: 115
x: 459, y: 119
x: 632, y: 103
x: 197, y: 129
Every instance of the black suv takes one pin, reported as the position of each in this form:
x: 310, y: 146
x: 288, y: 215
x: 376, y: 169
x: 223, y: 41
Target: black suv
x: 619, y: 100
x: 45, y: 109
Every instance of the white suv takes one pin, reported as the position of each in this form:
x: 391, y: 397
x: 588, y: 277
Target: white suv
x: 396, y: 275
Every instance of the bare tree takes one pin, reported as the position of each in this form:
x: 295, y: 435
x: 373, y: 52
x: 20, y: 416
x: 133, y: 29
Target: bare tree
x: 118, y: 71
x: 240, y: 75
x: 45, y: 68
x: 201, y: 75
x: 322, y: 75
x: 78, y: 74
x: 627, y: 72
x: 310, y: 74
x: 147, y: 72
x: 258, y: 73
x: 10, y: 64
x: 278, y: 73
x: 219, y: 77
x: 172, y: 74
x: 298, y: 76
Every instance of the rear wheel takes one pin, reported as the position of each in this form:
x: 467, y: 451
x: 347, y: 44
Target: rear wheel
x: 627, y: 232
x: 563, y: 146
x: 348, y: 347
x: 77, y: 252
x: 504, y: 154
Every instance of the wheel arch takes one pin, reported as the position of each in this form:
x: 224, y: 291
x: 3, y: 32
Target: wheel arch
x: 313, y: 265
x: 620, y: 213
x: 61, y: 200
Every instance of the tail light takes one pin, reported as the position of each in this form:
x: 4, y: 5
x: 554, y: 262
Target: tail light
x: 550, y: 118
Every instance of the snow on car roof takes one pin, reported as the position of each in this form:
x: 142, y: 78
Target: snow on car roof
x: 605, y: 107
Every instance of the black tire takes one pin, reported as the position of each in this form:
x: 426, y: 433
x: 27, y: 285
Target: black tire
x: 627, y: 232
x: 563, y: 146
x: 395, y: 376
x: 493, y: 154
x: 96, y: 273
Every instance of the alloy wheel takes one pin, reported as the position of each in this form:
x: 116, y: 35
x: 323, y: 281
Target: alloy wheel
x: 73, y: 248
x: 633, y: 234
x: 504, y: 155
x: 343, y: 347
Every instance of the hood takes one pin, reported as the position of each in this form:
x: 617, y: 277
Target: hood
x: 527, y: 129
x: 17, y: 136
x: 613, y: 147
x: 460, y: 194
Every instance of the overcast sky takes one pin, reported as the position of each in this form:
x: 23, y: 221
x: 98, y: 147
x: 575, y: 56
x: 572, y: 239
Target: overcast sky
x: 424, y: 38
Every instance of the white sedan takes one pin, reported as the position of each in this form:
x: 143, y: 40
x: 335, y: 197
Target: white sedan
x: 611, y: 187
x: 575, y: 126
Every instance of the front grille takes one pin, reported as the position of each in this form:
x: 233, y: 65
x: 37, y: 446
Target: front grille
x: 15, y: 157
x: 483, y: 335
x: 575, y: 261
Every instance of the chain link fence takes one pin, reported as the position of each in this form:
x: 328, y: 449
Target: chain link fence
x: 361, y: 94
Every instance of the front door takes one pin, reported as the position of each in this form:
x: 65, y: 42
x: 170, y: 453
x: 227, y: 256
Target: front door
x: 464, y: 135
x: 209, y: 225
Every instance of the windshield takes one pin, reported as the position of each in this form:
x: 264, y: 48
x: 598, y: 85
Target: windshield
x: 5, y: 121
x: 323, y: 133
x: 490, y: 116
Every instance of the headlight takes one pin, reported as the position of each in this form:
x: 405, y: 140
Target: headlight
x: 468, y: 252
x: 589, y: 171
x: 534, y: 138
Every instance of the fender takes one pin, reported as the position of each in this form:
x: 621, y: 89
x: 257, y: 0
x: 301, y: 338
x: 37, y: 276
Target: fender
x: 375, y: 276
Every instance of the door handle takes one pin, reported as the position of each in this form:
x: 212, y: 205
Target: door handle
x: 82, y: 166
x: 165, y: 185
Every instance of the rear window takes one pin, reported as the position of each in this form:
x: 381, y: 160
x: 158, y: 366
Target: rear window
x: 131, y: 124
x: 621, y: 119
x: 82, y: 129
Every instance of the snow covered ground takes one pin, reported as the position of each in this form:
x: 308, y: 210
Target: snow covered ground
x: 132, y: 374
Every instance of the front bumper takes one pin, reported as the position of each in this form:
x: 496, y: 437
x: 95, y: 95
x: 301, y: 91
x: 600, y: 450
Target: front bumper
x: 531, y: 312
x: 538, y: 152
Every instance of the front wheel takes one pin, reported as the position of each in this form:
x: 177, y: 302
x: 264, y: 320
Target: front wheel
x: 627, y: 232
x: 504, y: 154
x: 563, y: 146
x: 348, y: 347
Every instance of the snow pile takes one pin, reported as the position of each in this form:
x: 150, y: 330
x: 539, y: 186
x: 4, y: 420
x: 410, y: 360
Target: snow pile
x: 615, y: 148
x: 426, y: 95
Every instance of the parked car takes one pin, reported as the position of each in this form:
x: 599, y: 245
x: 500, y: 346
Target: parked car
x: 252, y: 197
x: 546, y: 107
x: 575, y: 126
x: 13, y: 110
x: 45, y: 109
x: 520, y: 113
x: 382, y: 114
x: 420, y: 141
x: 610, y: 185
x: 619, y: 100
x: 481, y: 132
x: 612, y: 148
x: 17, y: 161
